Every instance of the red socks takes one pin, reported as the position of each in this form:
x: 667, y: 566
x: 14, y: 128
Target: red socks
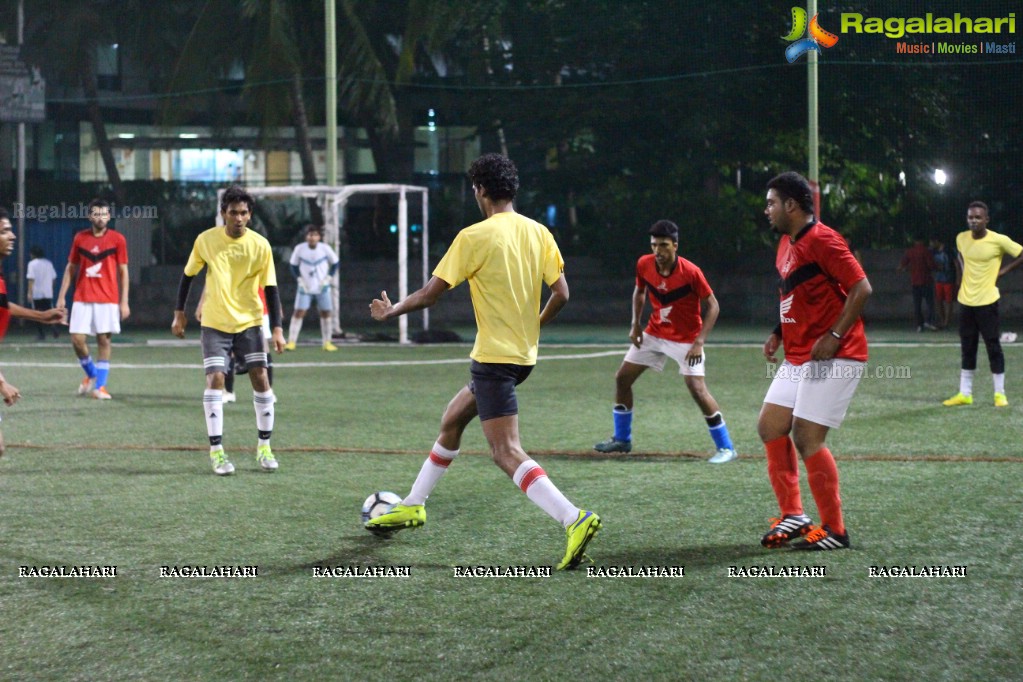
x: 822, y: 474
x: 783, y: 471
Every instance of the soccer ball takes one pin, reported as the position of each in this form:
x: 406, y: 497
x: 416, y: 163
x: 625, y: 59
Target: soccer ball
x: 377, y: 504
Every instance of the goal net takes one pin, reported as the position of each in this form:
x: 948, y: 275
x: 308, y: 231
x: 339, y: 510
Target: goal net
x: 333, y: 200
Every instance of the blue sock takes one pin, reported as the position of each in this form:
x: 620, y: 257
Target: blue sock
x: 102, y: 370
x: 719, y: 431
x: 86, y: 363
x: 623, y: 423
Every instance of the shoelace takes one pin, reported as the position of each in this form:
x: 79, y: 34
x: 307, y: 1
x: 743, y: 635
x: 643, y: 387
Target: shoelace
x: 816, y: 534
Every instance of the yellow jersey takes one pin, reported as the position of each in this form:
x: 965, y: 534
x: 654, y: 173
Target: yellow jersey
x: 236, y: 269
x: 506, y: 258
x: 982, y: 259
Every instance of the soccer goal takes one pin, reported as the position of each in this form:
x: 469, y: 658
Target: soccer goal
x: 333, y: 200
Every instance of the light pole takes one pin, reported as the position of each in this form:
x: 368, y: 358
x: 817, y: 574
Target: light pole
x: 331, y: 68
x: 813, y: 149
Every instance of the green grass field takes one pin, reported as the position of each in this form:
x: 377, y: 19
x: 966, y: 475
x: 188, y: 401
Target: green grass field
x: 127, y: 483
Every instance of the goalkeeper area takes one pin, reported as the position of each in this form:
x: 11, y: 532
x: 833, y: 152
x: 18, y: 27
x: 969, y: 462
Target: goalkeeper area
x: 126, y: 483
x: 333, y: 201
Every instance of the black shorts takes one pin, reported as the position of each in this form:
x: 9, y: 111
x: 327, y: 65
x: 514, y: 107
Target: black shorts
x: 249, y: 345
x: 494, y: 384
x: 979, y: 320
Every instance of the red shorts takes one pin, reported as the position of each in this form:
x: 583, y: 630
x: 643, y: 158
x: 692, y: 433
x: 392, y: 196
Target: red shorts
x: 943, y: 291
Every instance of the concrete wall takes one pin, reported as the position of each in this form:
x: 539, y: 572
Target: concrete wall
x: 746, y: 295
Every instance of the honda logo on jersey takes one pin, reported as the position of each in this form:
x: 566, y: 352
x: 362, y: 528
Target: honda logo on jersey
x: 94, y: 270
x: 665, y: 311
x: 786, y: 305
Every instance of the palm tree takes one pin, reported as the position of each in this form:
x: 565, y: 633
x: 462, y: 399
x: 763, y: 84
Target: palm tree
x: 377, y: 68
x: 262, y: 37
x: 73, y: 30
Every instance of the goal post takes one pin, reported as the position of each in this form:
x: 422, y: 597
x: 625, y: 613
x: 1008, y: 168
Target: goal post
x: 333, y: 199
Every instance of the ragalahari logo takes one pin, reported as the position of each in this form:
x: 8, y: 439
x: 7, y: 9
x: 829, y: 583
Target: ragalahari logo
x: 816, y: 36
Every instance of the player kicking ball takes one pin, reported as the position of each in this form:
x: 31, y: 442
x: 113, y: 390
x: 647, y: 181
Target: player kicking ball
x: 677, y: 289
x: 504, y: 258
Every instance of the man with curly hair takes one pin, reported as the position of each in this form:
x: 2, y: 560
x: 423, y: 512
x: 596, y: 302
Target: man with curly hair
x: 504, y: 258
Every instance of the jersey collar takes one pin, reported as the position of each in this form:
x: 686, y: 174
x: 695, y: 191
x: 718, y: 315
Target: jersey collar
x: 806, y: 229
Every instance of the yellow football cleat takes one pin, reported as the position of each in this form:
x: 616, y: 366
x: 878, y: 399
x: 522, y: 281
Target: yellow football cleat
x: 1001, y: 400
x: 958, y: 399
x: 329, y: 347
x: 290, y: 345
x: 401, y: 516
x: 266, y: 459
x: 578, y: 535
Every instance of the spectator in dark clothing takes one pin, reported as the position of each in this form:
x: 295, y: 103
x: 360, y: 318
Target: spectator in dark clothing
x: 920, y: 263
x: 944, y: 282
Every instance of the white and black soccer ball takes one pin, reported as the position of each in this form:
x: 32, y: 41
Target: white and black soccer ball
x: 377, y: 504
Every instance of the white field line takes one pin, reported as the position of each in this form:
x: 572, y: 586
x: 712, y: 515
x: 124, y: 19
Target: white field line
x: 279, y: 365
x: 618, y: 349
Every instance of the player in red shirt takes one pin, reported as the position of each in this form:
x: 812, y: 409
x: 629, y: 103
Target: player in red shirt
x: 677, y: 289
x: 822, y: 291
x: 99, y: 260
x: 9, y: 392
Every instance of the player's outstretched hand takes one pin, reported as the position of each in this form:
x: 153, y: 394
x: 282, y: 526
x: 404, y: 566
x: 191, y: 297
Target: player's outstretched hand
x: 178, y: 325
x: 54, y: 316
x: 9, y: 392
x: 379, y: 307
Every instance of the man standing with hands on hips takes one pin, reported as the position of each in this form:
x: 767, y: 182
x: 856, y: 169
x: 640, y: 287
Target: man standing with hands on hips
x: 980, y: 265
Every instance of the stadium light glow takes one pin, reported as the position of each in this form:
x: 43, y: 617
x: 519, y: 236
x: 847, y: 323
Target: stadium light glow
x: 940, y: 178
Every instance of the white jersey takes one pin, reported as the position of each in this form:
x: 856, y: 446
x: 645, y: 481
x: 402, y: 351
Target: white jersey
x: 42, y: 274
x: 313, y: 266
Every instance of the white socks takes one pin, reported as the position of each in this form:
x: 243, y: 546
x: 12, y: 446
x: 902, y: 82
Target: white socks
x: 429, y: 474
x: 533, y: 481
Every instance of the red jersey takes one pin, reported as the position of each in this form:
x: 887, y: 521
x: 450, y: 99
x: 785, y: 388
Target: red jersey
x: 98, y: 259
x: 817, y: 270
x: 920, y: 261
x: 5, y: 312
x: 675, y: 299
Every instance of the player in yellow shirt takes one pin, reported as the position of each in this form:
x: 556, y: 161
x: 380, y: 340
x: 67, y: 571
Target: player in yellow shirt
x: 979, y: 266
x: 505, y: 259
x: 238, y: 263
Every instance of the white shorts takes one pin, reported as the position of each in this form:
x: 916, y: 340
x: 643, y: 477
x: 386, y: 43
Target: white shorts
x: 655, y: 351
x: 818, y: 391
x: 95, y: 318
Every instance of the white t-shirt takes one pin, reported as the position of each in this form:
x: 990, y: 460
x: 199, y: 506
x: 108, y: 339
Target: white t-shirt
x: 313, y: 266
x: 42, y: 274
